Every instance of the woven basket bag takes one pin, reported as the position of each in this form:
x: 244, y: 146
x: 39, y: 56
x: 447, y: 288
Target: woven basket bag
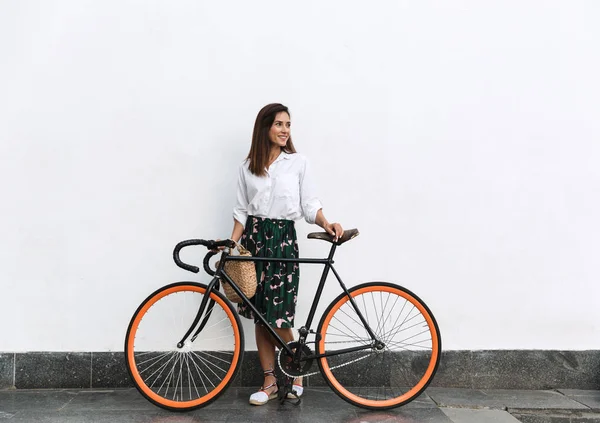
x: 243, y: 273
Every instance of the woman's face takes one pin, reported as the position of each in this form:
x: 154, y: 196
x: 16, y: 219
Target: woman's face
x: 279, y: 133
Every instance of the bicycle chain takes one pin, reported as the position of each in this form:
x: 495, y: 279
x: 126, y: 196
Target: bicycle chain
x: 317, y: 372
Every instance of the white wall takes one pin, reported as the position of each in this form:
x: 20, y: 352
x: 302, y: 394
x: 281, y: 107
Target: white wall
x: 462, y: 138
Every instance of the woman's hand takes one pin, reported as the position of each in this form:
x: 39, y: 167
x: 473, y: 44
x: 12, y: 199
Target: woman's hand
x: 334, y: 229
x: 221, y: 248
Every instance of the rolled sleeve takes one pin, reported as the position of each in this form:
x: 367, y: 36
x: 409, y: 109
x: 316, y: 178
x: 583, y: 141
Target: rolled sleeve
x: 309, y: 201
x: 240, y: 211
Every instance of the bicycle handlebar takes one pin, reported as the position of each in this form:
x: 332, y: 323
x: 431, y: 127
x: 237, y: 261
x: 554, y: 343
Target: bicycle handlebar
x: 211, y: 245
x: 207, y: 257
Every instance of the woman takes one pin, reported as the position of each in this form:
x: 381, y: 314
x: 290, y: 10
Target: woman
x: 274, y: 189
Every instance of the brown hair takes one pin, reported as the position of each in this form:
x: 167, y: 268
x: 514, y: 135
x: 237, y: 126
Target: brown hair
x: 258, y: 156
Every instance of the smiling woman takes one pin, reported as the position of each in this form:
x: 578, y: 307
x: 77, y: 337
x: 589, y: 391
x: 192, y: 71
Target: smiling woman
x: 271, y: 136
x: 280, y: 130
x: 275, y: 188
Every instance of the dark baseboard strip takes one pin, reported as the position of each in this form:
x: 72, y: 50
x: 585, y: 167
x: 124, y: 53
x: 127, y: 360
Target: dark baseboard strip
x: 491, y: 369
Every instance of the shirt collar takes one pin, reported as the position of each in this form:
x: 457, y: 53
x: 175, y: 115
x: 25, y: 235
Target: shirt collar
x: 282, y: 156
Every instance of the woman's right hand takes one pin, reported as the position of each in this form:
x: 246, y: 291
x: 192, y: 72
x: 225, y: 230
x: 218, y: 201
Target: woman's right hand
x: 334, y: 229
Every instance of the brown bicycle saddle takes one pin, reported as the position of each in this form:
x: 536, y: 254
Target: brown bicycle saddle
x: 347, y: 236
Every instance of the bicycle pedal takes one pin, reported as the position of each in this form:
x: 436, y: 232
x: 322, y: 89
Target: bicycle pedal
x: 284, y: 396
x: 286, y: 391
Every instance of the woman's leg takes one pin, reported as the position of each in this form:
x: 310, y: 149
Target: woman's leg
x: 266, y: 354
x: 266, y: 345
x: 288, y: 336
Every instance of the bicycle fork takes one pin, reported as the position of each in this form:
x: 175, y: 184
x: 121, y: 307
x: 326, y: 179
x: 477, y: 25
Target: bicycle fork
x: 205, y: 304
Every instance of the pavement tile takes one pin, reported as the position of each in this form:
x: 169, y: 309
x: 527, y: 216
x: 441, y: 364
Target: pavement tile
x: 26, y: 400
x: 402, y: 415
x: 565, y: 417
x: 468, y: 398
x: 422, y: 401
x: 464, y: 415
x: 105, y: 400
x: 588, y: 398
x: 502, y: 399
x: 546, y: 400
x: 591, y: 418
x: 577, y: 392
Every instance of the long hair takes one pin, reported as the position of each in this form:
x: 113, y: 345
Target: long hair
x: 258, y: 156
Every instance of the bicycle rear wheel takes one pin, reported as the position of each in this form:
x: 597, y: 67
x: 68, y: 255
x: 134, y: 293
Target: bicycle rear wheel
x: 193, y: 376
x: 394, y: 375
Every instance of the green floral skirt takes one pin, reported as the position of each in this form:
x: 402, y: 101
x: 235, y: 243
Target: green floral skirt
x: 277, y: 288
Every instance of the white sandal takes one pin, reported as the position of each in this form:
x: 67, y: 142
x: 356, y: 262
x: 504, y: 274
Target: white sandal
x: 262, y: 397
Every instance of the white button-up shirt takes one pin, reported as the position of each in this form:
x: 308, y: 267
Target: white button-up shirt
x: 286, y: 192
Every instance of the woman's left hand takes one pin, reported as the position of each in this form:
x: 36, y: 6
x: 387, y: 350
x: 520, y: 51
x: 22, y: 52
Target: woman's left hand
x: 334, y: 229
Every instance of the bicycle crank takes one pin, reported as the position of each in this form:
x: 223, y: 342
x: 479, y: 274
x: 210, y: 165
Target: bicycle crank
x: 291, y: 365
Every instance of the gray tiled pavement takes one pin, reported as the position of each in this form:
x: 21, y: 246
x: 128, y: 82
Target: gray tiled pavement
x: 318, y: 405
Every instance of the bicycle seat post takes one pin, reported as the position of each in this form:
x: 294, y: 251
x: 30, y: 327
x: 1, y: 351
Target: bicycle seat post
x: 332, y: 252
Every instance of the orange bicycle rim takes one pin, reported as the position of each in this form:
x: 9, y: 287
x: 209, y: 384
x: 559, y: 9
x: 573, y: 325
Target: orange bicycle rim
x: 130, y: 350
x: 424, y: 379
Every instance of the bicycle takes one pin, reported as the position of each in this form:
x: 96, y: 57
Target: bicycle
x: 185, y: 342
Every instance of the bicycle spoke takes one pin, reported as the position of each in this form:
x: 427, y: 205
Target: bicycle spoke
x: 391, y: 309
x: 170, y: 377
x: 224, y: 319
x: 199, y: 370
x: 396, y: 332
x: 204, y: 361
x: 215, y: 357
x: 375, y: 308
x: 399, y: 315
x: 355, y: 337
x: 177, y: 382
x: 158, y: 358
x: 353, y: 319
x: 161, y: 369
x: 187, y: 364
x: 406, y: 319
x: 364, y: 341
x: 365, y: 309
x: 382, y: 312
x: 402, y: 345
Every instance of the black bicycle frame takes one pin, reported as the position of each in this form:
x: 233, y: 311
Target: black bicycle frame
x: 304, y: 330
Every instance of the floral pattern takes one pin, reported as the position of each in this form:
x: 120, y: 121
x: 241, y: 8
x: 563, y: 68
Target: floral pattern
x: 277, y: 288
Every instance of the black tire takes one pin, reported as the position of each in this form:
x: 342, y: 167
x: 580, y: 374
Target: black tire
x: 394, y: 375
x: 151, y: 348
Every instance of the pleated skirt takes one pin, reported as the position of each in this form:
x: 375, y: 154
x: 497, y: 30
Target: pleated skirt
x: 277, y: 289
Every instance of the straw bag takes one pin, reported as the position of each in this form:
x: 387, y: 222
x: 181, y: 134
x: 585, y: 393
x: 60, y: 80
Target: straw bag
x: 243, y: 273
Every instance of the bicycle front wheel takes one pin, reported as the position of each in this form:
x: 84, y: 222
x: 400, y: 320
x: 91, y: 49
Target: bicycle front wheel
x: 379, y: 378
x: 194, y: 375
